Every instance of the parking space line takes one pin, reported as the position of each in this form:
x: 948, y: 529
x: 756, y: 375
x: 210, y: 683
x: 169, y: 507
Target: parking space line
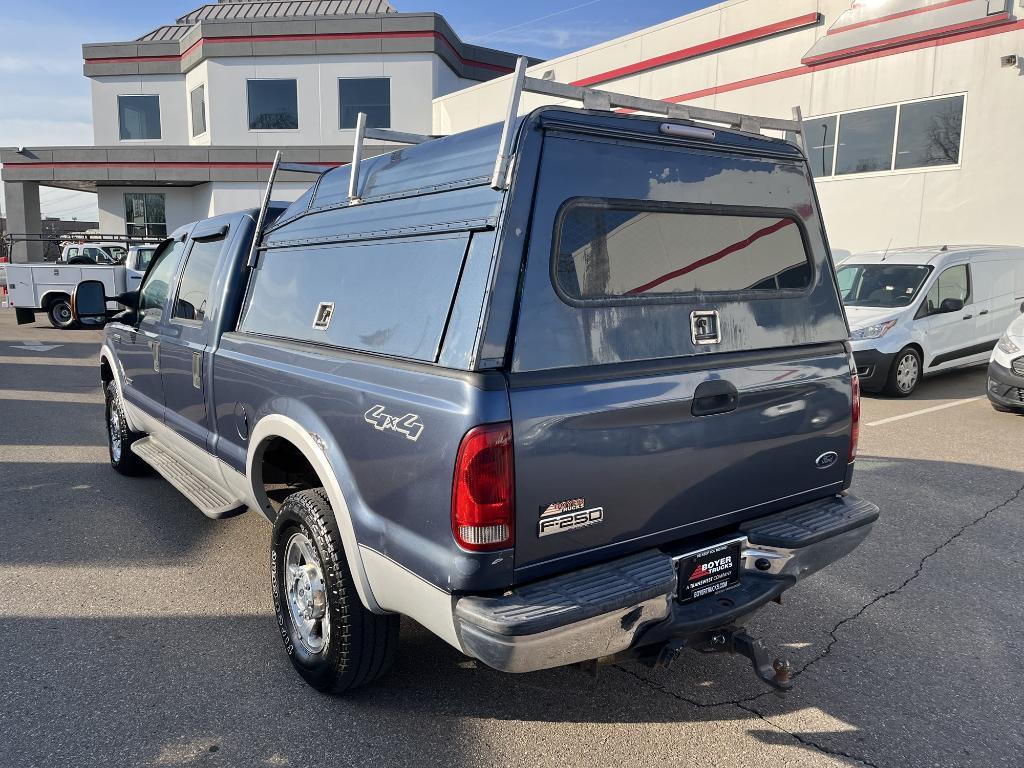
x: 53, y: 454
x: 12, y: 360
x: 922, y: 411
x: 52, y: 397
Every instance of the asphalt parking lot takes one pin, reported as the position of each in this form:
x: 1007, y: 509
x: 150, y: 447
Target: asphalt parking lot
x: 134, y: 631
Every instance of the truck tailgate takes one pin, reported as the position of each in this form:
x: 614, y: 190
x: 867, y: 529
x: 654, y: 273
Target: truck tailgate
x: 633, y: 449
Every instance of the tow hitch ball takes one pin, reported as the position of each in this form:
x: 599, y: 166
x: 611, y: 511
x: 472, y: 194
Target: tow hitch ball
x: 775, y: 673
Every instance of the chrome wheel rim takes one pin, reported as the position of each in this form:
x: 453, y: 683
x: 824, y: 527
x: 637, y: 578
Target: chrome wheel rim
x: 63, y: 313
x: 114, y: 428
x: 307, y: 593
x: 907, y: 372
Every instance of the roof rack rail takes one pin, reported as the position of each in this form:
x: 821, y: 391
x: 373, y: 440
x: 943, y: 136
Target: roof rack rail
x: 278, y: 166
x: 597, y: 99
x: 591, y: 99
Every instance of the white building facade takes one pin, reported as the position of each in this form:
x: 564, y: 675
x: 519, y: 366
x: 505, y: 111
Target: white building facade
x: 913, y: 108
x: 187, y: 118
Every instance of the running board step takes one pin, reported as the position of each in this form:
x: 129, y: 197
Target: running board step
x: 212, y: 498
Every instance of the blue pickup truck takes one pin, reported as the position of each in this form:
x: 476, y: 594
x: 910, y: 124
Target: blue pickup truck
x: 589, y: 402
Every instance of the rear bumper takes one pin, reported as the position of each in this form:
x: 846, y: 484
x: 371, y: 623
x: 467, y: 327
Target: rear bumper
x: 630, y: 603
x: 872, y: 368
x: 1005, y: 388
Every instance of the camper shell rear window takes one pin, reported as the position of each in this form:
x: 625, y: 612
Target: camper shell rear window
x: 617, y: 251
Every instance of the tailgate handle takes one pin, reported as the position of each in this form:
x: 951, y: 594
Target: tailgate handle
x: 713, y: 397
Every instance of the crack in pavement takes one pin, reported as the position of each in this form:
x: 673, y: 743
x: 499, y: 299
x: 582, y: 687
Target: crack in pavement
x: 917, y: 572
x: 744, y: 702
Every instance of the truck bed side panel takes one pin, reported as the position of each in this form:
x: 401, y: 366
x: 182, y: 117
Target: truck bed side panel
x: 398, y: 488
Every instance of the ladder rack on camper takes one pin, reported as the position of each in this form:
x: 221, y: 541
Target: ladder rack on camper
x: 521, y: 83
x: 78, y: 237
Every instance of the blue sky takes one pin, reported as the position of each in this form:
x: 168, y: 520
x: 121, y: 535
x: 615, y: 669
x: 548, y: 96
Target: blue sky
x: 44, y: 98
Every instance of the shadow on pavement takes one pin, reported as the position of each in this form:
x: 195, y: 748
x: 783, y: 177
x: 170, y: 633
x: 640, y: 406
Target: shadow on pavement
x: 134, y: 631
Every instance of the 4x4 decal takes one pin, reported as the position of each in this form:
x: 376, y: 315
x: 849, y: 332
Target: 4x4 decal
x: 408, y: 425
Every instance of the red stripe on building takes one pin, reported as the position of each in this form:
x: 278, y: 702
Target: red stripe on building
x: 703, y: 48
x: 303, y: 38
x: 931, y: 34
x: 807, y: 69
x: 745, y: 243
x: 894, y: 16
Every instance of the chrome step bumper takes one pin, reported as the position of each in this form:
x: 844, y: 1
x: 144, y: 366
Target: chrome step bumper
x: 629, y: 603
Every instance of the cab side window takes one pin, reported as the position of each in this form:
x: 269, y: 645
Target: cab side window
x: 954, y: 283
x: 193, y: 299
x: 153, y: 294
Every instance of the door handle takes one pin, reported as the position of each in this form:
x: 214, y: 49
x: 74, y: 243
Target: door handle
x: 713, y: 397
x: 155, y: 347
x: 197, y: 370
x: 983, y: 312
x: 968, y: 317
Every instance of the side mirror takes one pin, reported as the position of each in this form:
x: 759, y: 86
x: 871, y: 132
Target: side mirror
x: 89, y: 301
x: 950, y: 305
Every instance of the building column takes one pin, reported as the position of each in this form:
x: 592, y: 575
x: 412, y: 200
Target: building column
x: 23, y: 217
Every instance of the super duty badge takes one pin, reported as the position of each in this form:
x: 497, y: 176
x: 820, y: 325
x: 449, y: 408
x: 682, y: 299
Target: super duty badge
x: 565, y: 516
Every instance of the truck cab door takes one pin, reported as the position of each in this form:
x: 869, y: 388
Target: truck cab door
x: 188, y: 336
x: 138, y: 346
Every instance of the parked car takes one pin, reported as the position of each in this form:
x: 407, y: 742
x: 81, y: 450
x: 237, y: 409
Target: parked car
x: 919, y: 311
x: 1006, y: 370
x: 47, y: 287
x: 598, y: 406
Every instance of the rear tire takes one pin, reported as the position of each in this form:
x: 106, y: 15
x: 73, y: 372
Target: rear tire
x: 59, y: 313
x: 905, y: 373
x: 333, y: 641
x: 120, y: 437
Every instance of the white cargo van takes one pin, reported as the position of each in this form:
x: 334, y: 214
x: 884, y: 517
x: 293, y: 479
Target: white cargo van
x: 918, y: 311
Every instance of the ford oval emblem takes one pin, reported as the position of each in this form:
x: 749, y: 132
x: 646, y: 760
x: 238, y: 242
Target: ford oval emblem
x: 826, y: 460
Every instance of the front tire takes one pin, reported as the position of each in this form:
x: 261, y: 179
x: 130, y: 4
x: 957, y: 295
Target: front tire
x: 120, y: 437
x: 333, y: 641
x: 59, y: 313
x: 905, y: 373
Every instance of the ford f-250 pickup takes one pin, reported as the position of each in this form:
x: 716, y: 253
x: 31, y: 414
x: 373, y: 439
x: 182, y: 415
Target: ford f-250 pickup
x: 591, y: 401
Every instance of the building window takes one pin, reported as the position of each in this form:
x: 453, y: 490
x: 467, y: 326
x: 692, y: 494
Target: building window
x: 821, y: 144
x: 273, y: 105
x: 865, y: 141
x: 139, y: 117
x: 913, y: 134
x: 930, y: 133
x: 371, y: 95
x: 145, y: 215
x: 197, y: 99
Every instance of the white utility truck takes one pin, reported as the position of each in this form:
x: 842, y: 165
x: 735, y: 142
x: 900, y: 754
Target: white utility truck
x: 47, y: 286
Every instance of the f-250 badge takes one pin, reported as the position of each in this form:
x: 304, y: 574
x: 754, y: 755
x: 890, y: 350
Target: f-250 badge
x: 408, y: 425
x: 565, y: 516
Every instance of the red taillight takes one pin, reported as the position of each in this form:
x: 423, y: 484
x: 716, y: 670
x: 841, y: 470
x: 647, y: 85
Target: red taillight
x: 482, y: 495
x: 854, y: 415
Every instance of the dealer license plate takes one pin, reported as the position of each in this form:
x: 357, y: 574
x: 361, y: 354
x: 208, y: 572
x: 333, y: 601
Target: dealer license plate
x: 707, y: 571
